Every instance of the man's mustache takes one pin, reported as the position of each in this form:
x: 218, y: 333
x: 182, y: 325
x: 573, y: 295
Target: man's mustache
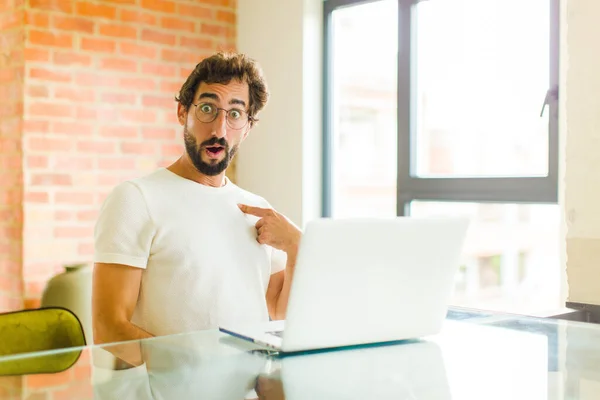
x: 215, y: 141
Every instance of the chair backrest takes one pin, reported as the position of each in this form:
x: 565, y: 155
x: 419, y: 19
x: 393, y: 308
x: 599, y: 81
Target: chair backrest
x: 36, y: 330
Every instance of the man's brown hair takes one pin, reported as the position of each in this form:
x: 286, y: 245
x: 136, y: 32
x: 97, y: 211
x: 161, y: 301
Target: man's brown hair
x: 222, y: 68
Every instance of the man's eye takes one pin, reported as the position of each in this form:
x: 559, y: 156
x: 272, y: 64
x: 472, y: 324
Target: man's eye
x: 207, y: 109
x: 235, y: 114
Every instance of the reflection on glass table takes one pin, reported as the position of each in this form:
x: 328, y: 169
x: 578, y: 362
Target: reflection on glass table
x: 490, y: 356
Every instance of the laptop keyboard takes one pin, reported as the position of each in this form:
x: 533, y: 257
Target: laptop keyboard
x: 276, y: 333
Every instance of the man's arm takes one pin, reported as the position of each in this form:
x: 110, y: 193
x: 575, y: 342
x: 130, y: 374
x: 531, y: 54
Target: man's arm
x: 276, y: 230
x: 115, y: 290
x: 278, y: 291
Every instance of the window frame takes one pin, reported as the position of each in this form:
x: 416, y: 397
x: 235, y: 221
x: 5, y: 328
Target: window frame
x: 526, y: 189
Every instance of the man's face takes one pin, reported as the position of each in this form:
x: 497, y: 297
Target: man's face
x: 212, y: 145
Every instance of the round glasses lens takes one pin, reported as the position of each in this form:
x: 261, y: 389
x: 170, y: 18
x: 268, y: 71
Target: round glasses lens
x: 206, y: 112
x: 237, y: 119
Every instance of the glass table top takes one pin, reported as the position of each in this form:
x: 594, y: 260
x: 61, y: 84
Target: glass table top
x: 477, y: 355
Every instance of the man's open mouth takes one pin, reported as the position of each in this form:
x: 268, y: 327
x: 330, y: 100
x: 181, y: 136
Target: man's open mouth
x: 214, y: 151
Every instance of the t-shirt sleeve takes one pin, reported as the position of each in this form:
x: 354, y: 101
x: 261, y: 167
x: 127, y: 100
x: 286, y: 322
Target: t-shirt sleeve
x: 278, y: 261
x: 124, y: 230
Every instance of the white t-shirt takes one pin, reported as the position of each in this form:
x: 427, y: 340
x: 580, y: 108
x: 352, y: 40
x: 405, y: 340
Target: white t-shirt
x: 202, y: 264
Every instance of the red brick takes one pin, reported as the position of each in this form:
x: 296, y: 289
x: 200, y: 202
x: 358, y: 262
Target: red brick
x: 170, y: 86
x: 119, y: 98
x: 95, y: 147
x: 118, y: 64
x: 116, y: 163
x: 226, y: 16
x: 89, y: 9
x: 33, y: 126
x: 51, y: 39
x: 87, y: 215
x: 35, y: 54
x: 10, y: 162
x: 194, y: 11
x: 65, y: 6
x: 50, y: 110
x: 196, y: 43
x: 109, y: 180
x: 141, y: 84
x: 137, y: 50
x: 118, y: 30
x: 49, y: 75
x: 47, y: 380
x: 63, y: 215
x: 178, y: 24
x: 79, y: 390
x: 34, y: 162
x: 119, y: 131
x: 84, y: 249
x: 37, y: 91
x: 11, y: 19
x: 103, y: 45
x: 74, y: 163
x: 215, y: 30
x: 72, y: 58
x: 30, y: 304
x: 97, y: 113
x: 159, y: 5
x: 139, y: 116
x: 51, y: 180
x: 159, y: 69
x: 74, y: 198
x: 9, y: 74
x: 71, y: 128
x: 137, y: 17
x: 73, y: 231
x: 158, y: 101
x: 138, y: 148
x: 48, y: 144
x: 37, y: 19
x: 185, y: 72
x: 177, y: 56
x: 173, y: 150
x: 151, y: 35
x: 96, y: 79
x: 36, y: 197
x: 75, y: 94
x: 67, y: 23
x: 159, y: 133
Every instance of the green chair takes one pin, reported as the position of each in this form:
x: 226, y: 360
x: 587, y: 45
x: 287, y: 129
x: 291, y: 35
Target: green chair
x: 36, y: 330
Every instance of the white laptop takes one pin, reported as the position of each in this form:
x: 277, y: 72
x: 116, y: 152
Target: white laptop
x: 363, y: 281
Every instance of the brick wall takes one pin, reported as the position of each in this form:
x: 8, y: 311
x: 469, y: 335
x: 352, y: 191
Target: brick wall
x: 98, y: 109
x: 11, y: 122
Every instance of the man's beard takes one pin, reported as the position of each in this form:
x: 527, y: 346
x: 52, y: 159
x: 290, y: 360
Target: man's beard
x: 194, y: 151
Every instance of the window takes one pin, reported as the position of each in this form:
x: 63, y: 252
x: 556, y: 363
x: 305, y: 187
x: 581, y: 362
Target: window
x: 449, y: 107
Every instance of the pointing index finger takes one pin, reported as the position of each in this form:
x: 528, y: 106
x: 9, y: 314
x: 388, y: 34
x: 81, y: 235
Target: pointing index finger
x: 257, y: 211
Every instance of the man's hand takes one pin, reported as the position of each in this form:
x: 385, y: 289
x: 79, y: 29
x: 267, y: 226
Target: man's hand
x: 274, y: 229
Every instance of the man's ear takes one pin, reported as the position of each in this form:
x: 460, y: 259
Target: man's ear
x: 181, y: 114
x: 246, y: 132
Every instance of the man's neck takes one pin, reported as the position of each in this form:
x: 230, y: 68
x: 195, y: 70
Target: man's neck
x: 184, y: 168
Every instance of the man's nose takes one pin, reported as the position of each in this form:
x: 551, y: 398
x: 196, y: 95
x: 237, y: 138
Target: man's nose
x: 220, y: 124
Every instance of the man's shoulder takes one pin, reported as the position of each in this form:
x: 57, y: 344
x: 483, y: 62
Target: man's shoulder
x: 250, y: 198
x: 136, y: 187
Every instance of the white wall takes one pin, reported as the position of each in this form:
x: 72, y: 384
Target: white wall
x: 581, y: 120
x: 281, y: 159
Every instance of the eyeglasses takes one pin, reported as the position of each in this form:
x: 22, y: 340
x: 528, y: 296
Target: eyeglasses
x: 236, y: 118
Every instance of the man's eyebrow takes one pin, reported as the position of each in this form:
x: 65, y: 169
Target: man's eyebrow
x: 208, y: 95
x: 214, y: 96
x: 237, y: 101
